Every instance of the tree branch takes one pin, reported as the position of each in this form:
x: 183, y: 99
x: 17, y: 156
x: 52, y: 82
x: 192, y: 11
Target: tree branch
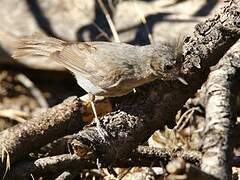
x: 17, y: 142
x: 220, y: 93
x: 54, y: 165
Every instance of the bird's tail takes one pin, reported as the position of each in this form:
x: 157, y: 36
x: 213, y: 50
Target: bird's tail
x: 37, y: 45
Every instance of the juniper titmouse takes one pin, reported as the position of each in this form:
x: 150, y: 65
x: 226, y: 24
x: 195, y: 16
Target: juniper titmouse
x: 104, y: 68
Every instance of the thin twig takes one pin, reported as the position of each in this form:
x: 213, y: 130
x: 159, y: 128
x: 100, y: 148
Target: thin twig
x: 109, y: 20
x: 33, y: 89
x: 144, y: 21
x: 182, y: 122
x: 13, y: 114
x: 103, y: 33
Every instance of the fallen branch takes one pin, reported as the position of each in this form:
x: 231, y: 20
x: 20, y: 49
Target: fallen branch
x: 17, y: 142
x: 142, y: 156
x: 164, y: 155
x: 220, y: 93
x: 54, y: 165
x: 50, y: 166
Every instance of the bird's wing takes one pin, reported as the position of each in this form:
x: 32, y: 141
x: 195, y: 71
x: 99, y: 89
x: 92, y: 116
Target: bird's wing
x: 99, y: 67
x: 101, y: 63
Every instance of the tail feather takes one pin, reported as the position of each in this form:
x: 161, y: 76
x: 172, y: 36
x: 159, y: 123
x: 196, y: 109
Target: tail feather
x: 37, y: 45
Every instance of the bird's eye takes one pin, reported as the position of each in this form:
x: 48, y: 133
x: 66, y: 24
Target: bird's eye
x: 168, y: 67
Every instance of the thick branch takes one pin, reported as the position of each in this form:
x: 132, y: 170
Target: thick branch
x: 220, y: 105
x: 18, y: 141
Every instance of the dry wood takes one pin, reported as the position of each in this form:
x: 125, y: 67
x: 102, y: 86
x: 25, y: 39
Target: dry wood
x: 17, y: 142
x: 142, y: 156
x: 220, y: 104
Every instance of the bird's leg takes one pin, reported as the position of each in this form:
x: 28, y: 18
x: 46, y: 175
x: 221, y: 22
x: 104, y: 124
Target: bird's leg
x: 92, y: 98
x: 182, y: 80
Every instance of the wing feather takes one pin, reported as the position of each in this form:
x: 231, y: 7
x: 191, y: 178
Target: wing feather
x: 100, y: 67
x: 99, y: 64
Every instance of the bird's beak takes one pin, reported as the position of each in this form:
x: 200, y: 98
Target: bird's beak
x: 182, y: 80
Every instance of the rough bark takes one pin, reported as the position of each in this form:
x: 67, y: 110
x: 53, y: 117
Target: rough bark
x: 17, y: 142
x: 220, y: 97
x: 50, y: 166
x: 53, y: 165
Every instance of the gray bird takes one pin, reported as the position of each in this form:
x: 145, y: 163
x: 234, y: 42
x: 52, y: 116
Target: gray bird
x: 104, y: 68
